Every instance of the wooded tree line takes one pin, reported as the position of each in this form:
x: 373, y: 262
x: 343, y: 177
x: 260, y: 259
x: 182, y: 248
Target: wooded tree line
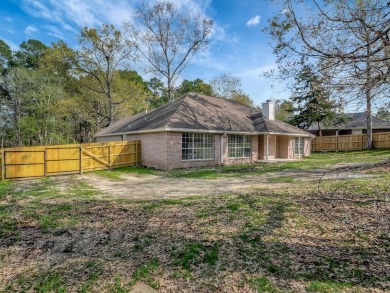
x: 55, y: 94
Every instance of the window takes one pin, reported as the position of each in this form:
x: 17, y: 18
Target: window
x: 197, y: 146
x: 299, y: 146
x: 239, y: 146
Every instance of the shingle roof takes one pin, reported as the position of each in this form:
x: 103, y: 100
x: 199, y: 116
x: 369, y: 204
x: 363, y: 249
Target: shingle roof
x: 199, y: 112
x: 355, y: 121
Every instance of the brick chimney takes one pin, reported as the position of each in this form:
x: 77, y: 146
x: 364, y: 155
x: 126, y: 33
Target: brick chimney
x: 269, y: 110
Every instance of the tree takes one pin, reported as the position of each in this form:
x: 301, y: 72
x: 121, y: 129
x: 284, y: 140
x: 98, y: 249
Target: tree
x: 16, y: 87
x: 159, y: 93
x: 5, y: 55
x: 229, y: 87
x: 59, y: 60
x: 225, y: 85
x: 384, y: 112
x: 167, y: 39
x: 348, y: 41
x: 30, y: 101
x: 284, y: 110
x: 312, y: 103
x: 242, y: 98
x: 102, y: 52
x: 197, y: 86
x: 30, y: 53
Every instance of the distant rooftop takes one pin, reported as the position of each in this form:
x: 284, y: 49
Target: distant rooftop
x: 355, y: 121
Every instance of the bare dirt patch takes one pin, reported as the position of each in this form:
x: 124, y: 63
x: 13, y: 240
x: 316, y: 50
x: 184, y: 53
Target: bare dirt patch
x: 160, y: 187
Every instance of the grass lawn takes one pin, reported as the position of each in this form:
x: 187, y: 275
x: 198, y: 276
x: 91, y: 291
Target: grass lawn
x: 316, y: 161
x: 296, y: 236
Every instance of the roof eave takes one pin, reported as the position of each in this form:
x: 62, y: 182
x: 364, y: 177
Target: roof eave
x: 166, y: 129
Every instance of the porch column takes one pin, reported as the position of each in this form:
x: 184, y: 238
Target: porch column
x: 267, y: 148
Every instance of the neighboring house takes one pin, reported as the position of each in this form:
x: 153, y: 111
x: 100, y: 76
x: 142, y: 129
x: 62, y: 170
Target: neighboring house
x: 355, y: 123
x: 198, y: 130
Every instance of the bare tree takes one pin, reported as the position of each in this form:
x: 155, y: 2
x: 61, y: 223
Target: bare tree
x: 347, y: 40
x: 103, y: 51
x: 167, y: 39
x: 17, y: 87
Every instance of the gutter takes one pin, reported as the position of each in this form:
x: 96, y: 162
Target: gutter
x: 203, y: 131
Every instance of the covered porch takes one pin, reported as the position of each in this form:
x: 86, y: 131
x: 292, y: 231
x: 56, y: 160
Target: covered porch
x: 282, y: 147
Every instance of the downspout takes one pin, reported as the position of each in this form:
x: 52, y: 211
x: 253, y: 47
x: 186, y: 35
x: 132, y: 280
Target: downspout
x: 222, y: 152
x: 267, y: 149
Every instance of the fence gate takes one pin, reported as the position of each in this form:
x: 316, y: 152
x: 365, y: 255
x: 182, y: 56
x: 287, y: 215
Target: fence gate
x: 27, y: 162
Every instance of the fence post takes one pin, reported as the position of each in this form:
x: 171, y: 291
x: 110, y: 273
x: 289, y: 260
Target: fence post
x: 2, y: 165
x: 81, y: 159
x: 337, y: 143
x: 44, y: 163
x: 109, y: 157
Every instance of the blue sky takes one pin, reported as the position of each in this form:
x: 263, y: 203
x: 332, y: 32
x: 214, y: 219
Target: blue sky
x: 237, y: 44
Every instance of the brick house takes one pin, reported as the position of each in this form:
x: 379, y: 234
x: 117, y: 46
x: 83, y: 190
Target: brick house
x: 198, y: 130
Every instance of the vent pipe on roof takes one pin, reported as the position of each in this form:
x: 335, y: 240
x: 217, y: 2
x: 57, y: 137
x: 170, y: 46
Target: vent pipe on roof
x: 269, y: 109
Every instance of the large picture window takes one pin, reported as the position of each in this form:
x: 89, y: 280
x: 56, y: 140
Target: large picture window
x: 197, y: 146
x: 239, y: 146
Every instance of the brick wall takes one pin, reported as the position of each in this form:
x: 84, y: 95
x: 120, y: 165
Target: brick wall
x: 153, y: 149
x: 261, y: 141
x: 283, y: 146
x: 162, y: 150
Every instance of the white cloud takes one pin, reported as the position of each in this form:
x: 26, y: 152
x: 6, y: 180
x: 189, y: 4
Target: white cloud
x: 10, y: 31
x: 285, y: 11
x: 31, y: 29
x: 54, y: 31
x: 73, y: 14
x: 254, y: 21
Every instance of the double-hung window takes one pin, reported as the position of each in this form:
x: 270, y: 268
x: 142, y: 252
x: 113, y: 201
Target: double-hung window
x: 239, y: 146
x: 197, y: 146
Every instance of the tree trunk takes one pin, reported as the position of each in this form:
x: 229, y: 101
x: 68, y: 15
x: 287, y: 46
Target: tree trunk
x: 17, y: 117
x: 368, y: 97
x: 110, y: 109
x: 369, y: 120
x: 170, y: 97
x: 319, y: 129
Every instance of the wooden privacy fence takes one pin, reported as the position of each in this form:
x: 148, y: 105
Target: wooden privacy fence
x: 39, y: 161
x: 349, y: 142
